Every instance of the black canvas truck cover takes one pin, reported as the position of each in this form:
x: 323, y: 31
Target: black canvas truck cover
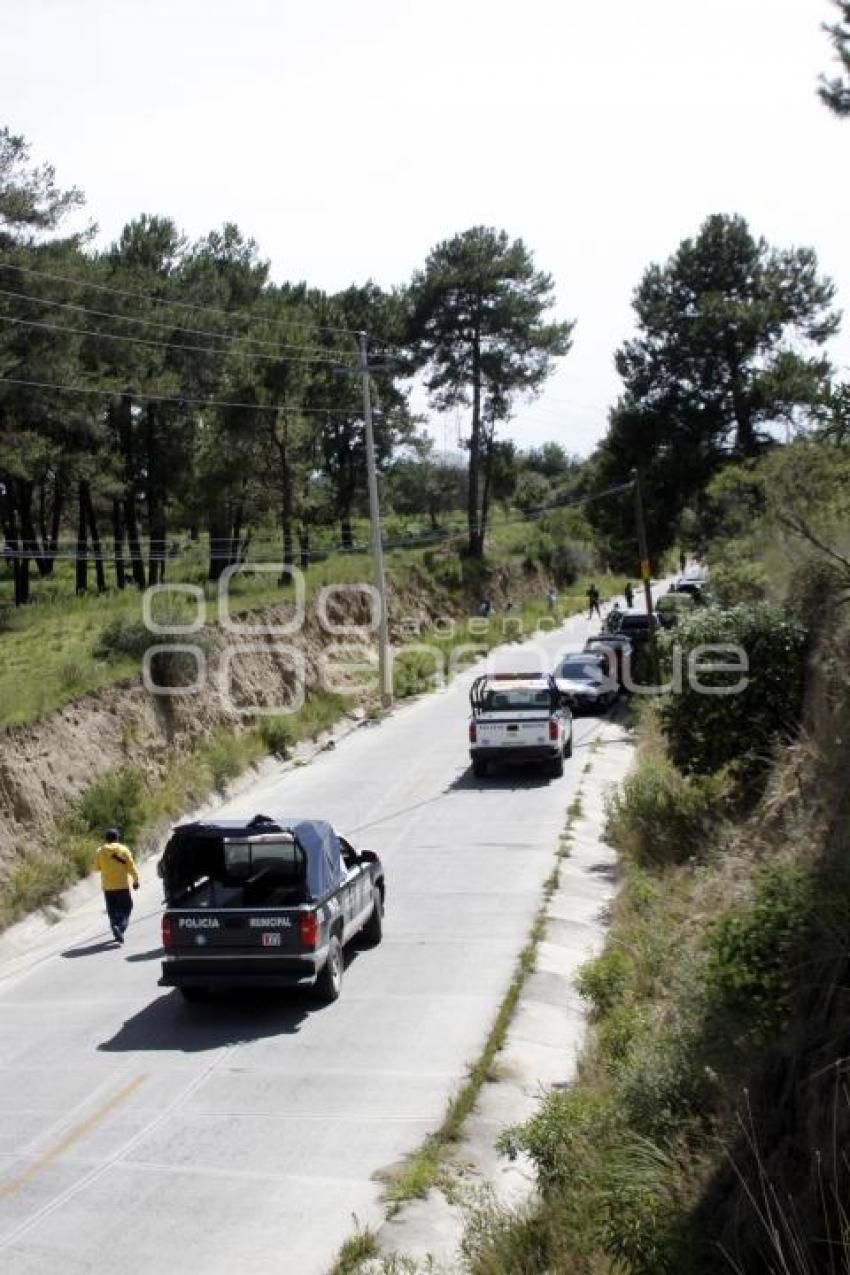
x: 196, y: 851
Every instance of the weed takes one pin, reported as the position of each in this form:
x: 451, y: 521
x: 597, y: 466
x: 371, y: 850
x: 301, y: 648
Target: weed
x: 363, y: 1244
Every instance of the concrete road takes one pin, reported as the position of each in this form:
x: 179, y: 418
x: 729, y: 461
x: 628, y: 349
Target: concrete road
x: 143, y: 1134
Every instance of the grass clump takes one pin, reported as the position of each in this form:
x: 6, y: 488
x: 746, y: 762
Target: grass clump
x: 357, y: 1249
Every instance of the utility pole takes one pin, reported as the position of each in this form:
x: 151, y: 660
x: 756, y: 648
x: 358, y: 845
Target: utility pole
x: 645, y: 567
x: 384, y: 668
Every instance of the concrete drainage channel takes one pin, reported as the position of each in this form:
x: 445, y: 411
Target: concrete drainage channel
x: 533, y: 1048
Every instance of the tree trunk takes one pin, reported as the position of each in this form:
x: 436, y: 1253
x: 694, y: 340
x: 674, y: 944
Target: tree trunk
x: 20, y: 573
x: 29, y: 540
x: 235, y: 534
x: 476, y: 547
x: 48, y: 525
x: 91, y: 520
x: 81, y: 560
x: 488, y: 469
x: 51, y: 541
x: 118, y: 543
x: 136, y: 562
x: 217, y: 544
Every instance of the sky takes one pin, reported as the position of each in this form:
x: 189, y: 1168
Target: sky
x: 349, y: 138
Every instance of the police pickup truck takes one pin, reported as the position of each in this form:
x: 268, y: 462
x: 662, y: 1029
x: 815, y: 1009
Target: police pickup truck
x: 518, y: 717
x: 264, y: 903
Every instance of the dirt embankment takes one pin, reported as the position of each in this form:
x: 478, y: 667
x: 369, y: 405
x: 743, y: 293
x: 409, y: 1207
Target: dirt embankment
x: 46, y: 766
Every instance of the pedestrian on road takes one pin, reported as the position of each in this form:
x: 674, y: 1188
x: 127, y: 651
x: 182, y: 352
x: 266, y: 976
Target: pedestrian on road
x: 593, y: 602
x: 629, y: 594
x: 486, y: 608
x: 551, y: 599
x: 683, y: 561
x: 115, y: 864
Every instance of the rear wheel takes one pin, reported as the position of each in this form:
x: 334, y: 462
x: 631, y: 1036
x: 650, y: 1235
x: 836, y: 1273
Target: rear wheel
x: 373, y: 930
x: 479, y: 767
x: 329, y: 982
x: 558, y: 766
x: 568, y: 746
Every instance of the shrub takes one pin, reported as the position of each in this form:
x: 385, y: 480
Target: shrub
x: 754, y: 950
x: 618, y: 1033
x: 738, y: 580
x: 571, y: 561
x: 415, y: 672
x: 123, y: 639
x: 278, y: 735
x: 662, y: 816
x: 665, y: 1083
x: 116, y: 798
x: 604, y: 980
x: 567, y: 1126
x: 224, y: 758
x: 708, y: 731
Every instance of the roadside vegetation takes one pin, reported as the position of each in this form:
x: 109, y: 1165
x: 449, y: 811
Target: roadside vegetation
x: 709, y: 1125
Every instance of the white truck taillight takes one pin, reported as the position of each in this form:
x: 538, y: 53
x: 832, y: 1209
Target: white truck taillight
x: 473, y: 733
x: 553, y: 728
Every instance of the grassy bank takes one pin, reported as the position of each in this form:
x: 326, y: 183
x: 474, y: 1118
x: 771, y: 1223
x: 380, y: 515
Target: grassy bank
x: 708, y: 1128
x: 54, y: 650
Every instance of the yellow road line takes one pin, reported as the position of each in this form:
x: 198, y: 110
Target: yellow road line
x: 70, y: 1138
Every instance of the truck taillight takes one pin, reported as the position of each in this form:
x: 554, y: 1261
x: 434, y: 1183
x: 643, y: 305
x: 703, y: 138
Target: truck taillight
x: 553, y: 728
x: 473, y: 733
x: 167, y: 936
x: 308, y: 929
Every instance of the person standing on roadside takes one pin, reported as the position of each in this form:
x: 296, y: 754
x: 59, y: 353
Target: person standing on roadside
x: 115, y: 864
x: 629, y: 594
x: 683, y: 561
x: 593, y: 602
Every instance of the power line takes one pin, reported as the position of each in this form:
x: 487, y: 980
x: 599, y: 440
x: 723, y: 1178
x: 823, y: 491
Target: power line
x: 167, y: 327
x: 178, y: 400
x: 182, y: 305
x: 162, y: 345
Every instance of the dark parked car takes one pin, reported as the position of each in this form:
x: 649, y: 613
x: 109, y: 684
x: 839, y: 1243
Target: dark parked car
x: 616, y: 646
x: 632, y: 623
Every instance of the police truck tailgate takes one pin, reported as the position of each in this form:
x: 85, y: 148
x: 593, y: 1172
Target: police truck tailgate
x: 205, y: 932
x: 512, y: 730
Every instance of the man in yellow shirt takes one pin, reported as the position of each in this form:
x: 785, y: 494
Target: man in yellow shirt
x: 115, y: 864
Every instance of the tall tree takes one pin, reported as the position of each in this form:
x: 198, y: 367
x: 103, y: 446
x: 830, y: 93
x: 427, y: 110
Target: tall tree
x: 30, y: 201
x: 478, y: 328
x: 836, y: 92
x: 721, y: 358
x: 33, y: 433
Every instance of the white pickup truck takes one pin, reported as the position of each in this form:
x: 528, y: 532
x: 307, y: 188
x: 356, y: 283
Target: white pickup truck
x: 518, y: 717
